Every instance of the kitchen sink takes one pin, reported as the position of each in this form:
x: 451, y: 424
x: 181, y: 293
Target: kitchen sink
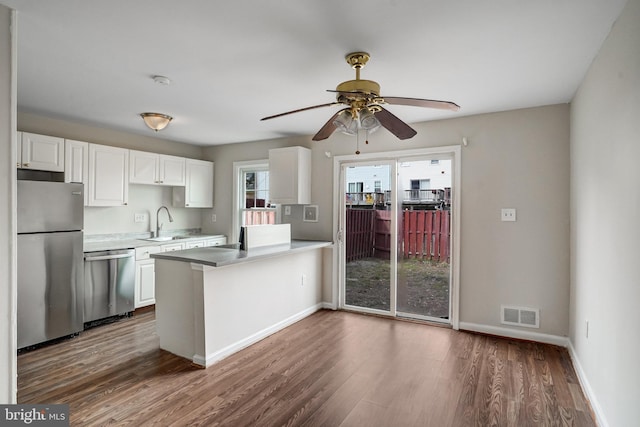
x: 165, y: 238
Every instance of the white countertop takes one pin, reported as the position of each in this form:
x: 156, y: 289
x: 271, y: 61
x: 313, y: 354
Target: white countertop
x: 132, y: 243
x: 219, y: 257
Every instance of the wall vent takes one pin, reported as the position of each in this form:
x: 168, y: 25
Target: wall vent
x: 520, y: 316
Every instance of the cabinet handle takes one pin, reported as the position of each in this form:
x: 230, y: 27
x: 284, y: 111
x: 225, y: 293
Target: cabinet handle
x: 18, y: 164
x: 186, y: 204
x: 125, y: 204
x: 26, y: 165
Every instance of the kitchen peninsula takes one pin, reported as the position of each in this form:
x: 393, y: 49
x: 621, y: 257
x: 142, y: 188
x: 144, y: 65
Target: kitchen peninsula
x: 212, y: 302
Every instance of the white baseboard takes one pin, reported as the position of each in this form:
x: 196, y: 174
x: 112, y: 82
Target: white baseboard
x: 586, y: 387
x: 328, y: 306
x: 252, y: 339
x: 516, y: 333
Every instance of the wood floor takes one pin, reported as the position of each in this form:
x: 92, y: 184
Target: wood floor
x: 330, y: 369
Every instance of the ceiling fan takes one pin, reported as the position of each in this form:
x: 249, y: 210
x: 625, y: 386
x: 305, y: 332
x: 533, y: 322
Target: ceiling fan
x: 364, y: 106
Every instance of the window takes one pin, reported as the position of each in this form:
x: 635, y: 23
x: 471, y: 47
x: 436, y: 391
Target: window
x: 377, y: 186
x: 418, y: 189
x: 257, y: 209
x: 251, y: 195
x: 356, y: 187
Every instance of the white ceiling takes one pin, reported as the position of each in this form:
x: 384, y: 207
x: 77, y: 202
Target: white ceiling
x: 233, y: 62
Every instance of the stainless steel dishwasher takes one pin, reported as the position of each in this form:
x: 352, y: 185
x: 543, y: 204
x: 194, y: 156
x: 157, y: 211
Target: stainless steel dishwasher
x: 109, y: 278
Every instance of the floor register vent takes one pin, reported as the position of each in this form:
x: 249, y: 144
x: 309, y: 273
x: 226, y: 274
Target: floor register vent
x: 520, y: 316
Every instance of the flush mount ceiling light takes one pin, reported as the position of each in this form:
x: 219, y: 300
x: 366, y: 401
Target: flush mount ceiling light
x: 156, y: 121
x: 162, y: 80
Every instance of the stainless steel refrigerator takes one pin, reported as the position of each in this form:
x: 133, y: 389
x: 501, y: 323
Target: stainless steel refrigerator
x: 50, y: 261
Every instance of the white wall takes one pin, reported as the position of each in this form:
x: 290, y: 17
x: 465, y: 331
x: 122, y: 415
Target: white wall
x: 142, y: 198
x: 517, y: 159
x: 7, y: 211
x: 605, y: 226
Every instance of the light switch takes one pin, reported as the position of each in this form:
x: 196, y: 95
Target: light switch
x: 287, y: 210
x: 508, y: 214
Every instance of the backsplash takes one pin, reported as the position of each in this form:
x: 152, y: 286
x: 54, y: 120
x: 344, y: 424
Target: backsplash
x: 143, y: 199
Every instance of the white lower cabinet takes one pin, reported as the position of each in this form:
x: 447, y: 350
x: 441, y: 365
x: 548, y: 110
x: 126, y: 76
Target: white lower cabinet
x: 217, y: 241
x: 197, y: 244
x: 145, y: 276
x: 145, y: 266
x: 172, y: 247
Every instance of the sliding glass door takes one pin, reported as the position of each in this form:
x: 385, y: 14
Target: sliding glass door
x: 424, y: 218
x: 395, y: 223
x: 367, y: 212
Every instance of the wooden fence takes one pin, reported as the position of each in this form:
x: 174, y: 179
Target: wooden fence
x: 425, y: 234
x: 359, y: 233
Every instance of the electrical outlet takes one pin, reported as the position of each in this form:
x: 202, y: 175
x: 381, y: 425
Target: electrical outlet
x: 508, y: 214
x: 287, y: 210
x: 303, y: 279
x: 213, y: 218
x: 139, y: 217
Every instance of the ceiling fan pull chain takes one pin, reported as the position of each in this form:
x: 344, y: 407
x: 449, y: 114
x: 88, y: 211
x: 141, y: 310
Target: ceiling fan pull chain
x: 358, y: 141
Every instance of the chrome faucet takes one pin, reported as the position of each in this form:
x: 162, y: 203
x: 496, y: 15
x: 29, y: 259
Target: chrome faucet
x: 158, y: 225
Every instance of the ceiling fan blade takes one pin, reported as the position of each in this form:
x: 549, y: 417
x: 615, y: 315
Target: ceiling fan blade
x: 417, y: 102
x: 394, y: 124
x: 328, y: 128
x: 299, y: 110
x: 349, y: 92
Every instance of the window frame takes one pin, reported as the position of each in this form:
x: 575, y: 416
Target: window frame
x: 239, y: 202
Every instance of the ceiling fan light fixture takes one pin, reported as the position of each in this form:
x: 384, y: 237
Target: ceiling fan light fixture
x: 368, y: 120
x: 345, y: 123
x: 156, y: 121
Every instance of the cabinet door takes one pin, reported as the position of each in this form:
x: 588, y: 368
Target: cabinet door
x: 196, y: 244
x: 198, y: 189
x: 143, y: 167
x: 290, y: 176
x: 172, y: 170
x: 216, y: 242
x: 108, y: 175
x: 145, y: 283
x: 76, y: 164
x: 42, y: 152
x: 172, y: 247
x: 19, y: 150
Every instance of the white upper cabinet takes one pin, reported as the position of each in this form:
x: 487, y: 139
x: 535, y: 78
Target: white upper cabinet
x: 143, y: 167
x: 172, y: 170
x: 108, y: 176
x: 290, y: 176
x: 76, y: 161
x: 156, y: 169
x: 41, y: 152
x: 198, y: 188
